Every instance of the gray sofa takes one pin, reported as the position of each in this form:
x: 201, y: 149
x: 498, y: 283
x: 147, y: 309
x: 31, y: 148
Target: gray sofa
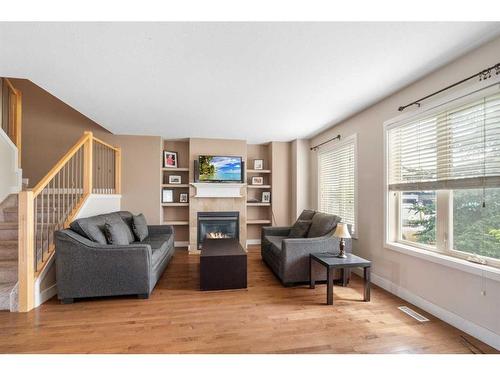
x: 288, y: 258
x: 86, y: 267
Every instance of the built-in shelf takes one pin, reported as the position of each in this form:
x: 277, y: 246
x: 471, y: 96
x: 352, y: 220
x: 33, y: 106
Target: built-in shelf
x: 260, y: 204
x: 175, y: 169
x: 176, y: 222
x: 259, y: 186
x: 175, y: 185
x: 258, y: 171
x: 175, y: 204
x: 258, y: 221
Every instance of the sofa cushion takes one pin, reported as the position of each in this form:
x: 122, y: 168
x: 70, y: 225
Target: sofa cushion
x: 115, y: 231
x: 127, y: 218
x: 276, y: 241
x: 322, y: 224
x: 91, y: 228
x: 306, y: 215
x: 161, y: 244
x: 140, y: 227
x: 300, y: 229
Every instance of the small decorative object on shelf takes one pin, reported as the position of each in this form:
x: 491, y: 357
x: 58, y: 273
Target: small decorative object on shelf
x: 174, y: 179
x: 342, y: 232
x: 266, y: 197
x: 167, y: 195
x: 169, y: 159
x: 183, y: 198
x: 258, y: 164
x: 257, y: 180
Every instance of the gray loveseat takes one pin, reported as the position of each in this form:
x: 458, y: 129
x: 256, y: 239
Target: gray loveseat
x: 86, y: 268
x: 288, y: 257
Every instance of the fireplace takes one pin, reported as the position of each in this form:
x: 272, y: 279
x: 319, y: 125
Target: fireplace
x: 217, y: 225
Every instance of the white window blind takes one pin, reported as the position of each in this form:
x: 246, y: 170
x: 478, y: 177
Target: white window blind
x: 336, y: 169
x: 451, y: 149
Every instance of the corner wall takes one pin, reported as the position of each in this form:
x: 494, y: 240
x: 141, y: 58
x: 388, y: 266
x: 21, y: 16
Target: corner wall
x: 451, y: 291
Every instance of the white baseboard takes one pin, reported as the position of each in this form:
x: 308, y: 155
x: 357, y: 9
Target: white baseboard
x: 181, y: 244
x: 45, y: 295
x: 480, y: 333
x: 253, y: 242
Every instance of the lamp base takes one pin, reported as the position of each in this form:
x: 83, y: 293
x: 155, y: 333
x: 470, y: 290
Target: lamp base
x: 341, y: 249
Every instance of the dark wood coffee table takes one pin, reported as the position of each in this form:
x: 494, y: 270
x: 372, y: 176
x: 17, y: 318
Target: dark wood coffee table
x: 223, y: 265
x: 331, y: 262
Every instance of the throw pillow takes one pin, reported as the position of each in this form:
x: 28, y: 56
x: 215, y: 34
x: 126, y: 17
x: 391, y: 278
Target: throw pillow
x: 140, y: 227
x: 322, y: 224
x: 116, y: 232
x: 300, y: 229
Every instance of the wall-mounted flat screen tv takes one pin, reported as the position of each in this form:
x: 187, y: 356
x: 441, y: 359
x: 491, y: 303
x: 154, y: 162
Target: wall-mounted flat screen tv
x: 220, y: 168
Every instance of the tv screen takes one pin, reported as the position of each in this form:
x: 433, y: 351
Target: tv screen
x: 219, y: 168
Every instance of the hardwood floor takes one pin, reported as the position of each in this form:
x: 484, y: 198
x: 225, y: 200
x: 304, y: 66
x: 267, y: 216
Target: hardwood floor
x: 266, y: 318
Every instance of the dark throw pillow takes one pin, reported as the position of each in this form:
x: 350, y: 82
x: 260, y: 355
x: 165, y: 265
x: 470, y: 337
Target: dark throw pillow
x: 116, y: 232
x: 322, y: 224
x: 140, y: 227
x: 300, y: 229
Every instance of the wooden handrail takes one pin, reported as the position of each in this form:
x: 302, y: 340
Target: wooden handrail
x: 56, y: 200
x: 105, y: 144
x: 60, y: 164
x: 11, y: 86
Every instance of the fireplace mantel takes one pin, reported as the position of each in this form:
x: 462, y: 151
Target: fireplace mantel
x: 218, y: 190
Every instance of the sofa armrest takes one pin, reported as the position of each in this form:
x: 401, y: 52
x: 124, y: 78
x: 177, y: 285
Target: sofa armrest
x: 160, y: 229
x: 276, y: 231
x: 295, y: 255
x: 85, y: 268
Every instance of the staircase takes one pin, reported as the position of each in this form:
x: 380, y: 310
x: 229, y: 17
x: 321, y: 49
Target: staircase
x: 8, y: 253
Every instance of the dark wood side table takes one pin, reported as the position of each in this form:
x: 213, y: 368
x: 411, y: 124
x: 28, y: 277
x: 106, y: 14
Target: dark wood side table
x: 331, y: 262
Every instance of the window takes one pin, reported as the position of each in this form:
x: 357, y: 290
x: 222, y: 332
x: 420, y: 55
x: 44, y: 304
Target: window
x: 337, y: 180
x: 443, y: 178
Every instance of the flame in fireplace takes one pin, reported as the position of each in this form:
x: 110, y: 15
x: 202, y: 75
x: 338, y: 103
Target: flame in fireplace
x: 217, y: 235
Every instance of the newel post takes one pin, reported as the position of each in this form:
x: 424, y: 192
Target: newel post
x: 26, y: 252
x: 87, y: 164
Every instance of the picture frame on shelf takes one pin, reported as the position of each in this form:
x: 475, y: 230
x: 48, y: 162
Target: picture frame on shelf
x: 266, y: 197
x: 169, y: 159
x: 174, y: 179
x: 183, y: 198
x: 258, y: 164
x: 167, y: 195
x: 258, y: 180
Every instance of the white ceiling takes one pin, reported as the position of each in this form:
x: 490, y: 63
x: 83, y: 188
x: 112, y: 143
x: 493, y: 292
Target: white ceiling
x: 253, y: 81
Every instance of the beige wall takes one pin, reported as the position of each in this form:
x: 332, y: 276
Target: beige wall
x: 281, y: 178
x: 450, y: 289
x: 50, y: 128
x: 299, y: 189
x: 141, y: 174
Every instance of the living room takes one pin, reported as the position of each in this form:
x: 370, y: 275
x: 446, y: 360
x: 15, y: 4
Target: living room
x: 202, y: 188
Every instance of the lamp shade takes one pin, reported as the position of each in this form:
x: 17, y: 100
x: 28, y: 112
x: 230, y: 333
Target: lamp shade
x: 342, y: 231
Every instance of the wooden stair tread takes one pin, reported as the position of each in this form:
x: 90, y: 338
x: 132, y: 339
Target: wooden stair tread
x: 9, y: 225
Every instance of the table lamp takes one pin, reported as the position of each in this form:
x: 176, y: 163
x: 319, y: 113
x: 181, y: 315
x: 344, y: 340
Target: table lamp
x: 342, y: 232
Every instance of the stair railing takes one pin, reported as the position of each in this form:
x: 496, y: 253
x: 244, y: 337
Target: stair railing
x: 90, y: 166
x: 12, y: 114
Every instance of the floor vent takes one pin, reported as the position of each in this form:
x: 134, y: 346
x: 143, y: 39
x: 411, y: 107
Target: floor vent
x: 413, y: 314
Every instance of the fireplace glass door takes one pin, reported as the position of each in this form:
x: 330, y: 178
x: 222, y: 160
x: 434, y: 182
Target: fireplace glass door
x: 217, y: 225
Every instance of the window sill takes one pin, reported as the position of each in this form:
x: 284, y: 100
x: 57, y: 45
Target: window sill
x: 446, y: 260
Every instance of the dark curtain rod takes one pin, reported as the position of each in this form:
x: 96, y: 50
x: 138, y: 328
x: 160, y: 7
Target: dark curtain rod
x: 314, y: 148
x: 483, y: 75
